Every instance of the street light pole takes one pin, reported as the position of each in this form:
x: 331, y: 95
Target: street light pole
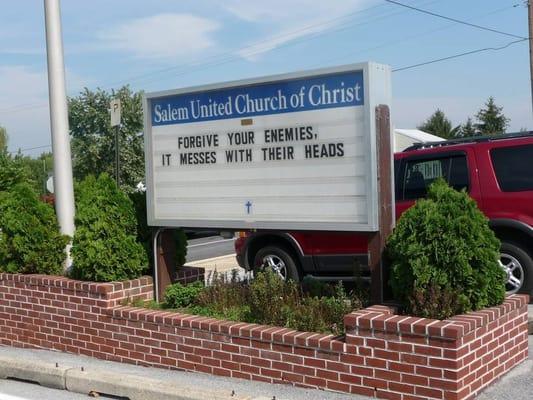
x: 63, y: 185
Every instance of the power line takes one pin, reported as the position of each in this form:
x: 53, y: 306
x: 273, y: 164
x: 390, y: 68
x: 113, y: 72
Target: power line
x: 396, y: 70
x: 459, y: 55
x: 454, y: 19
x: 216, y: 60
x: 409, y: 37
x: 234, y: 55
x: 35, y: 148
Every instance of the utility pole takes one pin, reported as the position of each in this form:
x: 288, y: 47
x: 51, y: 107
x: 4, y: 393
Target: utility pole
x: 530, y: 30
x: 63, y: 186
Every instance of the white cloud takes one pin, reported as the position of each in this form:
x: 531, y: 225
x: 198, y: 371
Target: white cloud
x: 287, y: 21
x: 162, y: 36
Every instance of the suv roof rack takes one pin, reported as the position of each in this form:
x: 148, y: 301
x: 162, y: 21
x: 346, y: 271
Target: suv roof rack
x: 472, y: 139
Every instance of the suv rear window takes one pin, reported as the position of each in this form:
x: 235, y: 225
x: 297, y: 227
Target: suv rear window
x: 513, y: 167
x: 419, y: 174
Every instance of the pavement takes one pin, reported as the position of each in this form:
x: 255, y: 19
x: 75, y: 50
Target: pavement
x: 223, y: 265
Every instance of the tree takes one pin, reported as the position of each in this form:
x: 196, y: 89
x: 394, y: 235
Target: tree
x: 12, y: 172
x: 105, y: 246
x: 438, y: 124
x: 491, y: 119
x: 3, y: 140
x: 30, y: 241
x: 468, y: 129
x: 93, y: 138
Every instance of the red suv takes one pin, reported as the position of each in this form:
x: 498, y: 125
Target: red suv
x: 496, y: 171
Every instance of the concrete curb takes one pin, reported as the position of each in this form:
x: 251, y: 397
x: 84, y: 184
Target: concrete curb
x: 46, y: 374
x: 85, y: 381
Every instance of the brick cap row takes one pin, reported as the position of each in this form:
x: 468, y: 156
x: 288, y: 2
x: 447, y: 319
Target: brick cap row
x: 384, y: 319
x: 102, y: 288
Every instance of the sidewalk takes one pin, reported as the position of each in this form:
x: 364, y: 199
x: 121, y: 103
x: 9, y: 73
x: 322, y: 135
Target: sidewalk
x: 222, y: 265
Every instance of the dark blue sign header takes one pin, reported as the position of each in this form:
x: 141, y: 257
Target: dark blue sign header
x: 303, y: 94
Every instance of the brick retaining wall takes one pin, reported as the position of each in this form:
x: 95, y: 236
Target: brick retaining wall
x: 382, y: 355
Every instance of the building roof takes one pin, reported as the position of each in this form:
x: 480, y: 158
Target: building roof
x: 418, y: 135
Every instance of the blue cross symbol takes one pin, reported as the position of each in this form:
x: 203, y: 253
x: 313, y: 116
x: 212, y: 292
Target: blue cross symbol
x: 248, y: 205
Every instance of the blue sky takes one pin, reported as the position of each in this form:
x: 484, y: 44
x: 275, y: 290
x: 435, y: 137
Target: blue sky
x: 166, y: 44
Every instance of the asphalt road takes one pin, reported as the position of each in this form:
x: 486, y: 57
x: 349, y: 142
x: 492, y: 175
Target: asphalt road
x: 209, y: 247
x: 16, y: 390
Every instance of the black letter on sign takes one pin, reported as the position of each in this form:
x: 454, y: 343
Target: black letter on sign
x: 165, y: 158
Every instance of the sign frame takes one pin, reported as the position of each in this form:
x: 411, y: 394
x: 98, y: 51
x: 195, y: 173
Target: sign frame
x: 376, y: 91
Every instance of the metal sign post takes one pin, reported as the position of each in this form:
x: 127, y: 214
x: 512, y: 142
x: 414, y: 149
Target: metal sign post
x: 115, y: 108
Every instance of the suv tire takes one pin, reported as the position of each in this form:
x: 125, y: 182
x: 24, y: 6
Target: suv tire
x: 279, y: 260
x: 518, y: 265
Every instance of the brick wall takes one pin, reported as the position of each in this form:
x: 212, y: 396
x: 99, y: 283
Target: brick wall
x: 382, y: 355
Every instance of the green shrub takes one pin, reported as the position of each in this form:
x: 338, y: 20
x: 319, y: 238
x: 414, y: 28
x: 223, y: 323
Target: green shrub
x: 30, y: 242
x: 266, y: 300
x: 444, y: 241
x: 271, y: 298
x: 12, y: 171
x: 144, y: 232
x: 178, y: 295
x: 225, y: 297
x: 105, y: 246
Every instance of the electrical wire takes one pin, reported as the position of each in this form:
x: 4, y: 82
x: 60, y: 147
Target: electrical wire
x: 454, y: 19
x: 459, y: 55
x: 235, y: 54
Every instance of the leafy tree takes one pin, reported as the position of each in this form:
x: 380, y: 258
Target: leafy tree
x: 93, y: 138
x: 105, y: 246
x: 3, y: 140
x: 30, y: 241
x: 37, y: 169
x: 468, y: 129
x: 443, y: 252
x: 491, y: 119
x: 438, y: 124
x: 12, y: 172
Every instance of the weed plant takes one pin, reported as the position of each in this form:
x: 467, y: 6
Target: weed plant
x: 312, y: 306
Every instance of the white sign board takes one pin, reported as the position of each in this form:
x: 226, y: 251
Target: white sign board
x: 290, y: 152
x: 115, y: 108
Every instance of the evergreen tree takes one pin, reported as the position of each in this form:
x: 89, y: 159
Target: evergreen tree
x: 3, y: 140
x: 491, y: 119
x: 438, y: 124
x: 468, y: 129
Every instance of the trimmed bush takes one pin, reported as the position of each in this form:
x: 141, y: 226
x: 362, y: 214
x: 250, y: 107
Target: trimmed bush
x: 269, y: 300
x: 105, y: 246
x: 443, y: 251
x: 30, y: 242
x: 178, y: 295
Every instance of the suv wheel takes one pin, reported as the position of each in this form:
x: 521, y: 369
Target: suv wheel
x: 278, y: 260
x: 518, y: 267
